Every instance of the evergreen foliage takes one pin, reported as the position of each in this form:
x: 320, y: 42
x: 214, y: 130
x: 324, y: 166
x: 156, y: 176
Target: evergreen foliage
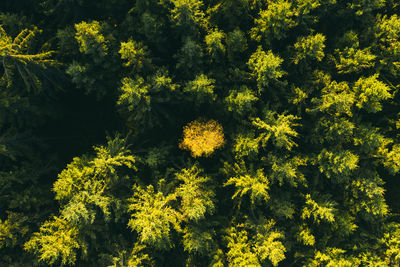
x: 243, y: 133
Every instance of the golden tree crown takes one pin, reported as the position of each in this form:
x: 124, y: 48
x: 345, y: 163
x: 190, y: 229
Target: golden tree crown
x: 202, y: 137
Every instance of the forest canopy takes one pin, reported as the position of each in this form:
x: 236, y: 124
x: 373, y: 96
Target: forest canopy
x: 199, y: 133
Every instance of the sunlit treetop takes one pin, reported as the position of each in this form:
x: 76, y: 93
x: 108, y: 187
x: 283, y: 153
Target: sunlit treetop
x: 201, y: 138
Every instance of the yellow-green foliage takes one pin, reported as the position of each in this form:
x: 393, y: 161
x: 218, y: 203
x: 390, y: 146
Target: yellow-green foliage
x: 5, y: 233
x: 388, y: 32
x: 245, y: 145
x: 202, y: 137
x: 336, y: 99
x: 392, y: 158
x: 18, y: 48
x: 323, y: 210
x: 253, y: 183
x: 153, y: 217
x: 371, y: 93
x: 341, y: 163
x: 273, y: 22
x: 201, y: 88
x: 198, y: 240
x: 391, y: 241
x: 11, y: 229
x: 93, y: 176
x: 90, y: 38
x: 337, y: 129
x: 332, y: 257
x: 188, y: 13
x: 135, y: 54
x: 287, y: 170
x: 246, y: 249
x: 266, y: 67
x: 137, y: 257
x: 196, y: 199
x: 310, y: 47
x: 355, y: 60
x: 17, y: 56
x: 241, y: 101
x: 134, y: 93
x: 240, y: 252
x: 268, y: 243
x: 306, y: 237
x: 57, y: 241
x: 83, y: 187
x: 368, y: 194
x: 214, y: 41
x: 366, y: 6
x: 278, y: 128
x: 265, y: 133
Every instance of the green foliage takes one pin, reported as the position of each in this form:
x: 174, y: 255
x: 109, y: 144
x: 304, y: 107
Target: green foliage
x: 134, y: 53
x: 134, y: 94
x: 336, y: 99
x: 245, y: 145
x: 306, y: 237
x: 355, y: 60
x: 56, y: 240
x: 91, y: 176
x: 252, y: 250
x: 273, y: 22
x: 153, y: 217
x: 188, y: 14
x: 17, y: 57
x: 197, y: 240
x: 241, y: 101
x: 366, y: 6
x: 319, y: 211
x: 11, y: 229
x: 236, y: 43
x: 341, y: 163
x: 284, y: 169
x: 202, y: 88
x: 136, y: 258
x: 268, y: 244
x: 279, y: 128
x: 370, y: 93
x: 310, y: 47
x: 83, y: 187
x: 90, y: 38
x: 189, y: 57
x: 391, y: 158
x: 254, y: 183
x: 296, y: 159
x: 240, y: 251
x: 392, y: 243
x: 265, y: 67
x: 370, y: 195
x: 196, y: 199
x: 214, y: 42
x: 333, y: 257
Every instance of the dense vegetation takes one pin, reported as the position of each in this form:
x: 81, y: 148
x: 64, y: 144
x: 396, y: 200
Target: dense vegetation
x: 199, y: 133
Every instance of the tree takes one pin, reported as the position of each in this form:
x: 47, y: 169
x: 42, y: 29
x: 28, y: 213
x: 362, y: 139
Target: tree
x: 258, y: 133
